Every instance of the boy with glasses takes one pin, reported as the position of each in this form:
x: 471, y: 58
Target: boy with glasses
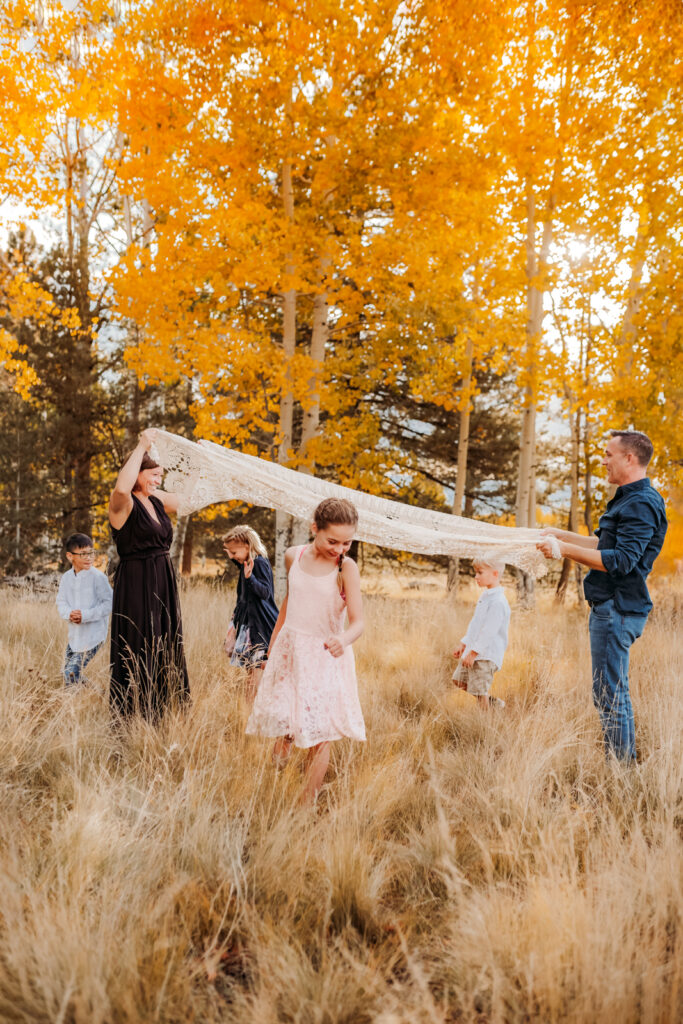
x: 84, y: 600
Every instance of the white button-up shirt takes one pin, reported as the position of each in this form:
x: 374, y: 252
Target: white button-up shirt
x: 87, y: 591
x: 487, y: 633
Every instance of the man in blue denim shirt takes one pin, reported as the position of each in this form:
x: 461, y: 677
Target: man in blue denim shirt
x: 628, y: 539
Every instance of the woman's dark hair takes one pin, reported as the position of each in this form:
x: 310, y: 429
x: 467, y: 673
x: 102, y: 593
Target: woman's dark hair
x: 335, y: 511
x: 78, y: 540
x: 147, y: 462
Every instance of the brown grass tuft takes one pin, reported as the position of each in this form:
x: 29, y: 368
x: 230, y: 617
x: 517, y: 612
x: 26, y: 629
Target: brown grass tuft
x: 460, y: 866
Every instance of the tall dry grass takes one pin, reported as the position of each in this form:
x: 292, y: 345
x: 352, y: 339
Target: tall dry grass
x: 461, y: 865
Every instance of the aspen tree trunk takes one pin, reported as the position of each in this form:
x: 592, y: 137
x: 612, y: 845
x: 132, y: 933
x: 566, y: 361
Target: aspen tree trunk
x: 186, y: 560
x: 133, y: 413
x: 178, y: 544
x: 536, y: 272
x: 573, y: 519
x: 574, y: 415
x: 135, y: 398
x: 536, y: 268
x: 586, y: 439
x: 463, y: 451
x: 320, y: 331
x: 69, y: 164
x: 628, y: 332
x: 82, y: 413
x: 84, y: 363
x: 311, y: 417
x: 283, y: 521
x: 17, y: 502
x: 534, y: 318
x: 586, y: 341
x: 588, y: 480
x: 319, y: 337
x: 133, y: 402
x: 527, y: 439
x: 578, y: 569
x: 628, y: 327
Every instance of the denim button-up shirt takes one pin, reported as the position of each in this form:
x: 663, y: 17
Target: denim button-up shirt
x: 630, y: 536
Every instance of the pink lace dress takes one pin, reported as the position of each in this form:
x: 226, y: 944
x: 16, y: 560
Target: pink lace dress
x: 305, y: 692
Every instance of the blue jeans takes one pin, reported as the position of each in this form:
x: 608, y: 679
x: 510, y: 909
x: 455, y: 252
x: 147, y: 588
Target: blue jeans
x: 75, y: 662
x: 611, y: 636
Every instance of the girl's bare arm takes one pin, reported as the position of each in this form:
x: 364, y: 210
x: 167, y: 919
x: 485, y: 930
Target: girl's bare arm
x: 354, y: 601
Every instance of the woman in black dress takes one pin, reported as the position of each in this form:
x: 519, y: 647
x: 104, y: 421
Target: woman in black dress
x: 148, y: 670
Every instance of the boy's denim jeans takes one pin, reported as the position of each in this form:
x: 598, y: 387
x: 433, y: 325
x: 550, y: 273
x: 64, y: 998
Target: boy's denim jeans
x: 75, y: 662
x: 611, y: 636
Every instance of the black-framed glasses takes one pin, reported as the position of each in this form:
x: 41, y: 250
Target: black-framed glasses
x: 84, y: 554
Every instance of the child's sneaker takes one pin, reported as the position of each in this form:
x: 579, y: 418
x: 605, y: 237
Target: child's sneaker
x: 496, y: 702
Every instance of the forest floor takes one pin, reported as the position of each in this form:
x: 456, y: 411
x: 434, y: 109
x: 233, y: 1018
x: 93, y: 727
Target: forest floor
x: 461, y: 865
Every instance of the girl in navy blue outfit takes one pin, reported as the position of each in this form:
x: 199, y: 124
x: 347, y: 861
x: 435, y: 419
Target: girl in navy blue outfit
x: 255, y: 612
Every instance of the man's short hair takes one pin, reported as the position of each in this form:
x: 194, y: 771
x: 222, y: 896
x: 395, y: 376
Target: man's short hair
x: 78, y: 540
x: 635, y: 442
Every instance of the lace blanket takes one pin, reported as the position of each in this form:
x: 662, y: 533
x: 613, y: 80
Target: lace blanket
x: 203, y: 473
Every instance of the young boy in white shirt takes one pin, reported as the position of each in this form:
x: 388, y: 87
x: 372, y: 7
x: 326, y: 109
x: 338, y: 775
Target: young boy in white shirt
x: 84, y: 600
x: 483, y: 645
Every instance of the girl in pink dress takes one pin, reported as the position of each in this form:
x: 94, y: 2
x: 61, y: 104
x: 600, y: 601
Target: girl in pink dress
x: 308, y: 695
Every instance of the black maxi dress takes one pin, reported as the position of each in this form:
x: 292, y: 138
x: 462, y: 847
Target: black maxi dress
x: 148, y: 670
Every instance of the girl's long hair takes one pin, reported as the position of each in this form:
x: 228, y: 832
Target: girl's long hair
x: 246, y: 535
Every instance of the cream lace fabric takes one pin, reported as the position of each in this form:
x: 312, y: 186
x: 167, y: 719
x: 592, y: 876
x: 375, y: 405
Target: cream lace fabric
x: 203, y: 473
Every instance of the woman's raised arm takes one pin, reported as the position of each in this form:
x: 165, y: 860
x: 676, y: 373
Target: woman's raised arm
x: 121, y: 500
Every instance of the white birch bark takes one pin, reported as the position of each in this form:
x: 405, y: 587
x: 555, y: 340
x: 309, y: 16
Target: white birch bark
x: 319, y: 337
x: 283, y: 521
x: 463, y: 451
x: 526, y: 503
x: 311, y: 416
x: 527, y: 440
x: 320, y: 331
x: 573, y: 519
x: 178, y: 543
x: 536, y: 269
x: 574, y: 416
x: 628, y: 332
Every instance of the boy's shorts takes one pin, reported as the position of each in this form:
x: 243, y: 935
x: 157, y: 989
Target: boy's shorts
x: 478, y: 678
x: 75, y: 662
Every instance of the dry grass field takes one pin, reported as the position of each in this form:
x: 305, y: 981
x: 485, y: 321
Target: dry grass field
x: 461, y: 866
